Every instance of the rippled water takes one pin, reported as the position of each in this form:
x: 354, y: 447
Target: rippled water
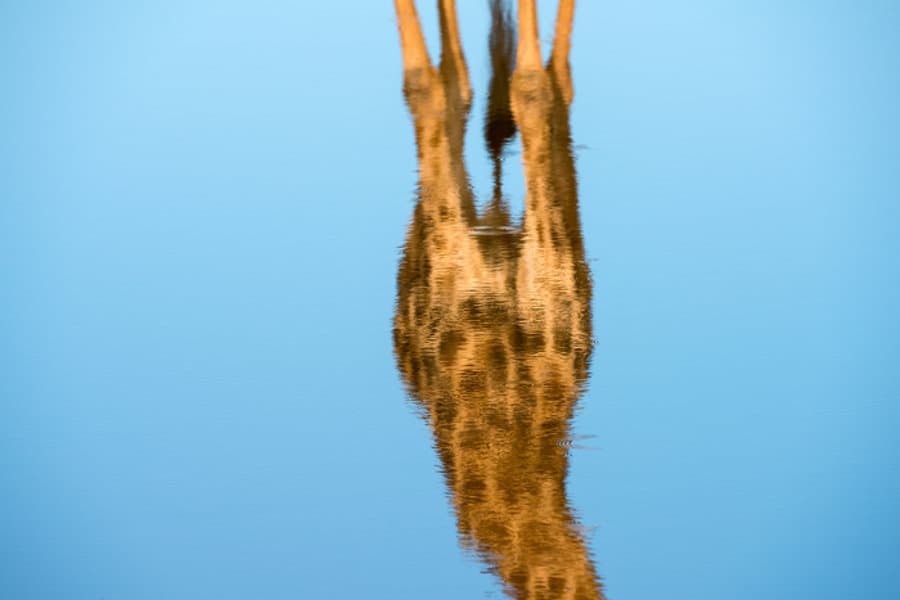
x: 286, y: 315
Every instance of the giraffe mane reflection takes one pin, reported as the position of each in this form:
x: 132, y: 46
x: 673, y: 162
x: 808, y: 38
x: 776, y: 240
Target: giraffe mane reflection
x: 492, y: 331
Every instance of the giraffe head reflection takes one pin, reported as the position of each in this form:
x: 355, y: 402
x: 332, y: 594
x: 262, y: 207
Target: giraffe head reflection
x: 493, y: 329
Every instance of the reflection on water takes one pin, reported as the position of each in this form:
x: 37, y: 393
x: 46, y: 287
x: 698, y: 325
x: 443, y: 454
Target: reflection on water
x: 493, y: 327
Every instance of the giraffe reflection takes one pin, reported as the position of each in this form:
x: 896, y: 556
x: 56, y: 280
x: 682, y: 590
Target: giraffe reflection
x: 492, y: 331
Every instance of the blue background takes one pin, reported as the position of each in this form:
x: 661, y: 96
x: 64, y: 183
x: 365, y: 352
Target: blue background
x: 201, y: 208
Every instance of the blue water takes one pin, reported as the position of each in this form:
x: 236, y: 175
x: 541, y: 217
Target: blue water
x: 202, y: 205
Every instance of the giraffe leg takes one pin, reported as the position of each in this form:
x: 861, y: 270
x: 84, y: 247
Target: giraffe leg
x: 421, y: 84
x: 559, y: 57
x: 530, y: 90
x: 528, y: 56
x: 453, y: 62
x: 412, y: 40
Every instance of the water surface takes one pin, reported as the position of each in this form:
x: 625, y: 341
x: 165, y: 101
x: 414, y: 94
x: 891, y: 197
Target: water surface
x: 204, y: 210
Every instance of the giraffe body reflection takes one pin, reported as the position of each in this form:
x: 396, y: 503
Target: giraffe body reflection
x: 492, y: 330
